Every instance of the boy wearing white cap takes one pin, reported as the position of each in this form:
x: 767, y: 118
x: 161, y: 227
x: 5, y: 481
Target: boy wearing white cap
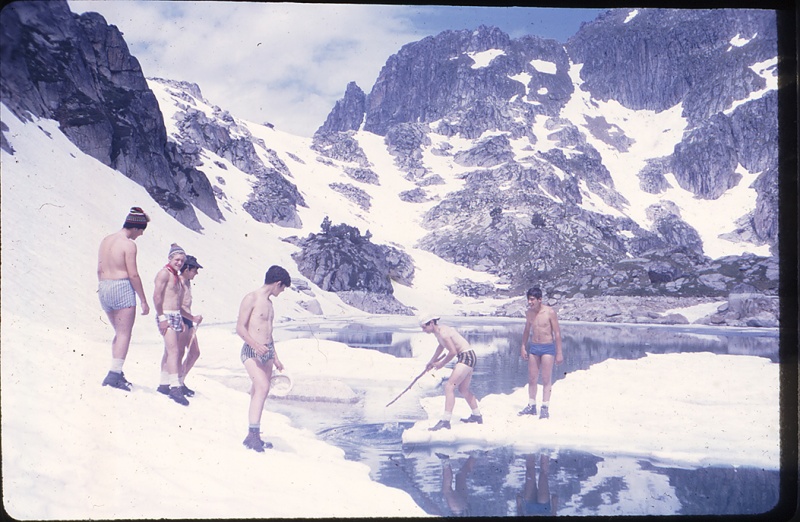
x: 456, y: 346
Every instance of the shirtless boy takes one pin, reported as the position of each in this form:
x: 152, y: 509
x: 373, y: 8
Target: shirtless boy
x: 118, y: 285
x: 254, y: 326
x: 543, y: 350
x: 456, y: 346
x: 167, y: 300
x: 186, y: 339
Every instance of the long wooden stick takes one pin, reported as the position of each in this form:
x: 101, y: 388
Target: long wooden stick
x: 413, y: 382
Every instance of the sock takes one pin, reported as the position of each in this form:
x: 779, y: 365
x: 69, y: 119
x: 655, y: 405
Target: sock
x: 255, y: 428
x: 446, y: 416
x: 531, y: 402
x: 164, y: 378
x: 116, y: 365
x: 476, y: 412
x: 546, y: 404
x: 173, y: 381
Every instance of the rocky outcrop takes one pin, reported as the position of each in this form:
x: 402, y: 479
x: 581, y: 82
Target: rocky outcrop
x: 78, y: 71
x: 348, y: 113
x: 341, y: 260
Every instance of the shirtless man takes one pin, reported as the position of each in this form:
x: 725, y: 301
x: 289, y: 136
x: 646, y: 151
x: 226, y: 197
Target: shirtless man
x: 187, y: 338
x: 167, y: 300
x: 118, y: 285
x: 456, y: 346
x: 543, y: 350
x: 258, y: 355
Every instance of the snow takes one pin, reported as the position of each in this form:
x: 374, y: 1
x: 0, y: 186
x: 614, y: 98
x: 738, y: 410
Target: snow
x: 75, y: 450
x: 484, y: 58
x: 631, y: 16
x: 544, y: 66
x: 655, y: 135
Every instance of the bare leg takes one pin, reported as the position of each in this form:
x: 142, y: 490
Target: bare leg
x: 260, y: 374
x: 547, y: 376
x: 466, y: 392
x: 191, y: 356
x: 171, y: 346
x: 122, y: 321
x: 543, y: 497
x: 533, y: 375
x: 460, y: 372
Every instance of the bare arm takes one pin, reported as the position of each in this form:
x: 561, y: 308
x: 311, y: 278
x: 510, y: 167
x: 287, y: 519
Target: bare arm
x: 162, y: 278
x: 556, y: 336
x: 133, y: 276
x: 435, y: 357
x: 525, y: 334
x: 451, y: 352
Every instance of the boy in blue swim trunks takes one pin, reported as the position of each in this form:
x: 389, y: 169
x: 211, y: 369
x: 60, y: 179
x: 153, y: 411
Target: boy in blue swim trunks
x: 118, y: 286
x: 254, y: 326
x: 543, y: 350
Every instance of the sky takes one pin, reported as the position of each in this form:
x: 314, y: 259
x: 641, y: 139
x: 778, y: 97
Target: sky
x: 288, y: 63
x: 75, y: 450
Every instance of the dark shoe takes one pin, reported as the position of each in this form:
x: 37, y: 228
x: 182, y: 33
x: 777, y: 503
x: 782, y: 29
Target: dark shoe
x: 545, y: 414
x: 176, y: 395
x: 442, y: 424
x: 253, y: 441
x: 122, y: 376
x: 530, y: 409
x: 442, y: 456
x: 163, y: 388
x: 474, y: 418
x: 186, y: 391
x: 116, y: 380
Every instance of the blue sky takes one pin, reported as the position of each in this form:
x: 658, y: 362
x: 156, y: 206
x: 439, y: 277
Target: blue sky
x: 288, y: 63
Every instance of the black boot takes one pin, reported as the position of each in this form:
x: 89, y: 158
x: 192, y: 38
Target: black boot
x: 117, y: 380
x: 176, y: 395
x: 442, y: 424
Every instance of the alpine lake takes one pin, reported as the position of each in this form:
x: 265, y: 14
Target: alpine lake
x: 502, y: 482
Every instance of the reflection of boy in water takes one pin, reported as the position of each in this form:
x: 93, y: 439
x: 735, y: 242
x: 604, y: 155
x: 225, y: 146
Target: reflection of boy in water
x: 535, y: 498
x: 456, y: 498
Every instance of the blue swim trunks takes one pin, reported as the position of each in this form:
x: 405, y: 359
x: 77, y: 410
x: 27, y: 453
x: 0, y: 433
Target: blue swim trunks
x: 542, y: 349
x: 116, y: 294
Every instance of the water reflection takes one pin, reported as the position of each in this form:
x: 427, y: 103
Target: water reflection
x: 500, y: 482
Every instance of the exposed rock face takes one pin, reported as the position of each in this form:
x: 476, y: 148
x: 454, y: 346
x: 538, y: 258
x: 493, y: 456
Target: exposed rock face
x: 348, y: 113
x: 340, y: 260
x: 274, y: 198
x: 77, y: 70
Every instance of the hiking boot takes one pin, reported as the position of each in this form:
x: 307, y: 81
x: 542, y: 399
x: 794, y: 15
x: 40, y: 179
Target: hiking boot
x: 163, y: 388
x: 176, y: 395
x: 442, y: 424
x: 545, y: 413
x: 186, y: 391
x: 474, y: 418
x: 116, y: 380
x: 253, y: 441
x: 442, y: 456
x: 530, y: 409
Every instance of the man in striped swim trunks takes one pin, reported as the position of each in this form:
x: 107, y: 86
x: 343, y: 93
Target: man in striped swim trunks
x: 118, y: 286
x: 543, y: 350
x: 254, y: 326
x: 458, y: 347
x: 168, y: 302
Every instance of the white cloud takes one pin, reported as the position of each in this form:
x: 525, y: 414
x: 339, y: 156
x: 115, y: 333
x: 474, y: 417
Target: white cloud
x: 278, y: 62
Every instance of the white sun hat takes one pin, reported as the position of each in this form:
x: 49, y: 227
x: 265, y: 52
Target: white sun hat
x: 280, y: 384
x: 427, y: 317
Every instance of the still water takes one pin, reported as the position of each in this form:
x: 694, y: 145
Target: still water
x: 501, y: 482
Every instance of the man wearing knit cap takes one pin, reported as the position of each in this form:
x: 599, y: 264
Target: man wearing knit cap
x: 167, y: 300
x: 118, y: 285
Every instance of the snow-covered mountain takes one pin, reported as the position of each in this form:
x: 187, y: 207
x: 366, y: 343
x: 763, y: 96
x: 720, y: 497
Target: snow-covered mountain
x: 516, y: 162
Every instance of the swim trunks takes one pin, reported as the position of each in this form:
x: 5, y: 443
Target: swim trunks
x: 467, y: 358
x: 249, y: 353
x: 542, y: 348
x: 187, y: 322
x: 116, y: 294
x: 535, y: 508
x: 174, y: 320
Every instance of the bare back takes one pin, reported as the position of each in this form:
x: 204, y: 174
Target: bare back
x: 116, y: 258
x: 448, y: 333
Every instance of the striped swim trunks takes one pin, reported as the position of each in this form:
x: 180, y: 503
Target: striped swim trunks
x: 249, y: 353
x: 467, y: 358
x: 116, y: 294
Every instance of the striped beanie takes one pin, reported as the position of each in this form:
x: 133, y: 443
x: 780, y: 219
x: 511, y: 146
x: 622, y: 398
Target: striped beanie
x: 136, y: 219
x: 175, y: 249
